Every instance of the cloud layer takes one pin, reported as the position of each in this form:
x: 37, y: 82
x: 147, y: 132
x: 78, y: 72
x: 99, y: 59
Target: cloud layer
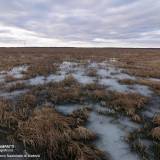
x: 88, y: 23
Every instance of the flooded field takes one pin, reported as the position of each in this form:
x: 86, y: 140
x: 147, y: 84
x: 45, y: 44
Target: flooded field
x: 81, y: 103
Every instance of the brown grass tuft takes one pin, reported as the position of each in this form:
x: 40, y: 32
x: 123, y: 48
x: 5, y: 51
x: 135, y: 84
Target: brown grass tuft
x: 129, y: 102
x: 10, y: 78
x: 99, y: 95
x: 16, y: 86
x: 8, y: 118
x: 69, y: 81
x: 156, y: 133
x: 41, y: 68
x: 140, y: 148
x: 49, y: 133
x: 80, y: 116
x: 154, y: 85
x: 127, y: 81
x: 156, y: 119
x: 27, y: 100
x: 83, y: 134
x: 136, y: 118
x: 92, y: 72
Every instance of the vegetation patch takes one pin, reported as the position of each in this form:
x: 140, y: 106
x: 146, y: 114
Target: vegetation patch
x: 154, y: 85
x: 41, y: 69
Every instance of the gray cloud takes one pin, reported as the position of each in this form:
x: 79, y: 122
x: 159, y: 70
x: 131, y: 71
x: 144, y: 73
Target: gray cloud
x: 86, y: 22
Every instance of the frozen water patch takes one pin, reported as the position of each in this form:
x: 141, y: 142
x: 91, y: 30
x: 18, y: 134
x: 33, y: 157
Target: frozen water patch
x: 37, y: 80
x: 11, y: 95
x: 111, y: 137
x: 113, y: 73
x: 55, y: 78
x: 76, y: 70
x: 77, y: 73
x: 141, y: 89
x: 124, y: 122
x: 68, y: 109
x: 17, y: 72
x: 103, y: 73
x: 67, y: 66
x: 93, y: 65
x: 83, y: 78
x: 114, y: 85
x: 111, y: 132
x: 2, y: 78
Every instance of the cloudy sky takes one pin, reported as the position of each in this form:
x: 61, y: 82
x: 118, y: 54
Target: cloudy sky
x: 87, y: 23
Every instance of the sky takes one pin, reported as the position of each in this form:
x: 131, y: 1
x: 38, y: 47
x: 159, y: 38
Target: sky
x: 80, y: 23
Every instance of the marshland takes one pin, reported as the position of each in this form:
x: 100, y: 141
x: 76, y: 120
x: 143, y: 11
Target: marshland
x: 81, y: 103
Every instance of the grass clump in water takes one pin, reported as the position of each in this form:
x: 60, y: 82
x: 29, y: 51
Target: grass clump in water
x: 41, y: 69
x: 49, y: 133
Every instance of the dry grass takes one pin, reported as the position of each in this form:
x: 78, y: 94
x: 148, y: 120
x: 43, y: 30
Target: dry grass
x: 92, y: 87
x: 58, y: 92
x: 127, y: 102
x: 83, y: 134
x: 70, y: 91
x: 50, y: 134
x: 136, y: 140
x: 69, y: 81
x: 145, y: 65
x: 143, y: 72
x: 80, y: 116
x: 11, y: 113
x: 99, y: 95
x: 154, y: 85
x: 143, y: 59
x: 17, y: 86
x: 156, y: 151
x: 66, y: 91
x: 156, y: 133
x: 92, y: 72
x: 10, y: 78
x: 140, y: 148
x: 137, y: 118
x: 127, y: 81
x: 41, y: 69
x: 156, y: 119
x: 27, y: 100
x: 8, y: 118
x: 65, y: 95
x: 2, y: 84
x: 46, y: 132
